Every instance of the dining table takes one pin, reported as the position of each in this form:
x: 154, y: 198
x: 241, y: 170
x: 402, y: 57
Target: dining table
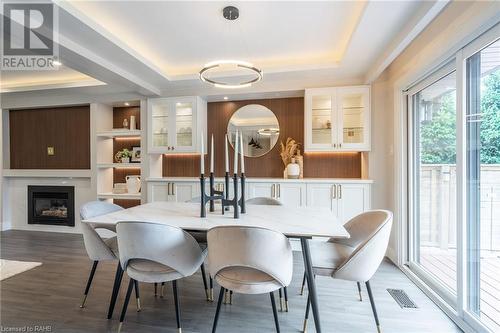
x: 301, y: 223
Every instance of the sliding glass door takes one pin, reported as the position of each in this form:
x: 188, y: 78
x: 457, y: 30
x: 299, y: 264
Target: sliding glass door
x: 483, y: 185
x: 454, y: 182
x: 434, y: 181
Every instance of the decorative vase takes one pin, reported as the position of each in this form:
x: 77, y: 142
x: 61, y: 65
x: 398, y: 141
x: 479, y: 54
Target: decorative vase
x: 293, y: 170
x: 125, y: 123
x: 133, y: 184
x: 133, y: 124
x: 300, y: 161
x: 125, y: 159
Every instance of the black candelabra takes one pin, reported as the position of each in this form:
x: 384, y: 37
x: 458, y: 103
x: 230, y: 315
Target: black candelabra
x: 214, y: 195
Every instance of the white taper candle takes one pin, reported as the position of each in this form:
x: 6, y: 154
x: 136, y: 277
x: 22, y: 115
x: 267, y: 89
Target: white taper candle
x: 236, y: 154
x: 227, y: 154
x: 202, y: 157
x: 212, y: 155
x: 242, y: 155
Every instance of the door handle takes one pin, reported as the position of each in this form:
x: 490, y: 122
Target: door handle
x: 340, y: 191
x: 173, y: 188
x: 279, y: 191
x: 273, y: 191
x: 168, y: 188
x: 334, y: 191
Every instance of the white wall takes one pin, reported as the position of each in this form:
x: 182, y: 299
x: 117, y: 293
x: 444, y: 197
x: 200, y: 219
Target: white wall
x: 456, y: 26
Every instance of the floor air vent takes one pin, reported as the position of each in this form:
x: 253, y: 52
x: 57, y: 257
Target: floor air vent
x: 402, y: 299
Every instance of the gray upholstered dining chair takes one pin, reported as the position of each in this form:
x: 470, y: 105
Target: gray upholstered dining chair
x: 244, y: 265
x: 271, y: 202
x: 99, y: 249
x: 356, y: 258
x: 263, y: 201
x: 153, y: 253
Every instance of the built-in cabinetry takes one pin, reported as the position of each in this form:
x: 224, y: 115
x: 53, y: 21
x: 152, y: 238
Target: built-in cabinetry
x: 107, y: 142
x: 346, y: 200
x: 175, y: 124
x: 337, y: 119
x: 344, y: 197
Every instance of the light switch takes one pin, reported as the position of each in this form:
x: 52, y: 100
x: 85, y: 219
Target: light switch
x: 50, y: 151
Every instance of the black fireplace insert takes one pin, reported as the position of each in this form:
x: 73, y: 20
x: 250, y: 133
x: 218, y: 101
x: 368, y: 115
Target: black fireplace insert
x: 51, y: 205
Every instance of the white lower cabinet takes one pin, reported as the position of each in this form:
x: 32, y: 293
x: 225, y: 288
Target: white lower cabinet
x: 173, y: 191
x: 290, y: 194
x: 345, y: 200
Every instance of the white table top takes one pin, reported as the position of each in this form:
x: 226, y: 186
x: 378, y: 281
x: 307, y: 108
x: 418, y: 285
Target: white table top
x: 292, y: 222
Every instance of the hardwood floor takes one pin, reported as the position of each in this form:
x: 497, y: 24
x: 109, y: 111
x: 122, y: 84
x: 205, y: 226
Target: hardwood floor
x: 49, y: 295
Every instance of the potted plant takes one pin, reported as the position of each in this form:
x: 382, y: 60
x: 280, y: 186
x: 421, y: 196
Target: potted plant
x: 123, y: 156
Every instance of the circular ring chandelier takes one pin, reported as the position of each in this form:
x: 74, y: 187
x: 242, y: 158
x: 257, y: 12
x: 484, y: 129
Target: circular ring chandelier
x: 234, y: 65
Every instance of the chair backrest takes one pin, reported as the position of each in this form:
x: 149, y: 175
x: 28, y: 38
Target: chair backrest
x: 94, y: 244
x: 164, y: 244
x: 264, y: 201
x: 370, y: 232
x: 262, y: 249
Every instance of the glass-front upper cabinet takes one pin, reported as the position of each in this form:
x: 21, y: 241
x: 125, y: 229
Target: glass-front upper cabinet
x: 320, y: 119
x: 353, y: 105
x: 175, y: 124
x: 337, y: 119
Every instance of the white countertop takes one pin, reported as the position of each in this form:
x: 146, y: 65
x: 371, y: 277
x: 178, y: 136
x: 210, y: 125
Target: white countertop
x: 292, y: 222
x: 267, y: 180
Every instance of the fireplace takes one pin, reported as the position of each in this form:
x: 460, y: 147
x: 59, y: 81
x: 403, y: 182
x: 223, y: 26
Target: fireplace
x: 51, y: 205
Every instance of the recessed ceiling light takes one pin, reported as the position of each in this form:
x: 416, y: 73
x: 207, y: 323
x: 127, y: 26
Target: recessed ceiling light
x: 126, y: 104
x: 56, y: 63
x: 178, y: 103
x: 225, y: 98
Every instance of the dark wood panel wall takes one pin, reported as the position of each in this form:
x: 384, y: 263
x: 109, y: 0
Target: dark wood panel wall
x: 120, y: 113
x: 290, y: 114
x: 67, y: 129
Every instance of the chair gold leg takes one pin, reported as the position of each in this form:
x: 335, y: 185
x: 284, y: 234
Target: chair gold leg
x: 286, y: 306
x: 230, y: 297
x: 83, y: 301
x: 161, y: 289
x: 207, y: 293
x: 138, y: 303
x: 304, y: 329
x: 120, y: 327
x: 211, y: 294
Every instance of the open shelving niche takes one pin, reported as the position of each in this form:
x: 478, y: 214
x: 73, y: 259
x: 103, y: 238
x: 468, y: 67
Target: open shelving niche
x: 107, y: 141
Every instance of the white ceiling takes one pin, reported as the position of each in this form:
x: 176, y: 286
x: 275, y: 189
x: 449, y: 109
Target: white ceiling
x: 158, y: 47
x: 180, y: 37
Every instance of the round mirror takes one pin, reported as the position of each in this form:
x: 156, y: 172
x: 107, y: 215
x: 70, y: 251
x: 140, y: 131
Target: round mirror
x: 259, y: 127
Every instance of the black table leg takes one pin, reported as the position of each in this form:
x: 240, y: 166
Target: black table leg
x: 311, y: 284
x: 116, y: 290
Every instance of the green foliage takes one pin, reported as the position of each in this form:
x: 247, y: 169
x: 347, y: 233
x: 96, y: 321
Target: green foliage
x: 438, y: 136
x: 490, y: 125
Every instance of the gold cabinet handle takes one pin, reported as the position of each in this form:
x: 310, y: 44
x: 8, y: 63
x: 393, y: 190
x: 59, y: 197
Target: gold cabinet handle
x: 273, y: 191
x: 173, y: 188
x: 168, y: 188
x: 279, y: 191
x: 340, y: 191
x: 334, y: 191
